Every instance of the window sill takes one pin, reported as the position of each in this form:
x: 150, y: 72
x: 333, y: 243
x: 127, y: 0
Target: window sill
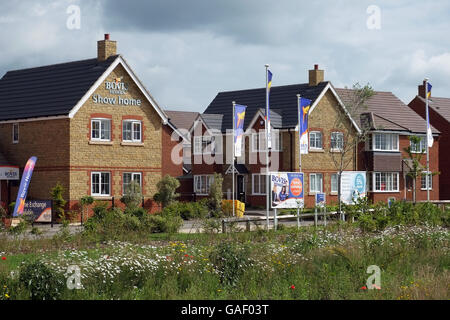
x: 333, y: 193
x: 98, y: 197
x: 132, y: 144
x: 335, y: 151
x: 313, y: 193
x: 391, y: 191
x: 104, y: 143
x: 425, y: 189
x: 316, y: 150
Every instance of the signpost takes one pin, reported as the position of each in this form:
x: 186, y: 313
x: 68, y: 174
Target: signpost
x: 353, y: 186
x: 320, y: 204
x: 41, y: 209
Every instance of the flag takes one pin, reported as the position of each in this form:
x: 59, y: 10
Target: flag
x: 304, y: 104
x: 269, y: 85
x: 429, y: 133
x: 239, y: 115
x: 429, y: 86
x: 23, y: 188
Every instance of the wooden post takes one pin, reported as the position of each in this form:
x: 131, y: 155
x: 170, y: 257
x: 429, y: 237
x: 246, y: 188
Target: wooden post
x: 224, y: 227
x: 247, y: 224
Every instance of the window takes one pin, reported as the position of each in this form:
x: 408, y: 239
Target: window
x: 204, y: 145
x: 337, y: 141
x: 202, y: 183
x: 419, y: 147
x: 259, y: 184
x: 131, y: 131
x: 259, y: 141
x: 423, y: 181
x: 334, y: 183
x: 315, y: 182
x: 101, y: 129
x: 386, y: 181
x: 100, y: 183
x: 385, y: 142
x: 15, y: 133
x: 128, y: 177
x: 315, y: 140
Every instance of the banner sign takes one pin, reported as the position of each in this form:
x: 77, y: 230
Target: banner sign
x: 239, y: 115
x: 41, y: 209
x: 23, y: 188
x: 286, y: 190
x: 320, y: 200
x: 9, y: 173
x: 353, y: 186
x: 304, y: 105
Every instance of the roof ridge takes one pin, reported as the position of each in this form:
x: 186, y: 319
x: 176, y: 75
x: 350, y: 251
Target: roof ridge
x: 261, y: 88
x: 57, y: 64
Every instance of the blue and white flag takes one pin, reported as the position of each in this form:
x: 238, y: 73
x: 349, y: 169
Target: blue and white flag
x: 239, y: 115
x: 429, y: 133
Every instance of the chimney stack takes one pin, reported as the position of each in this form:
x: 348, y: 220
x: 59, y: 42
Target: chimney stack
x: 106, y: 48
x: 315, y: 76
x: 421, y: 90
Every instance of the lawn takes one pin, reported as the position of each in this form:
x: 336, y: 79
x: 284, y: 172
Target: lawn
x: 313, y: 263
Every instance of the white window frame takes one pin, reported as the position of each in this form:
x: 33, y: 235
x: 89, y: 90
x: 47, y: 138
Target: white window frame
x: 374, y: 181
x: 205, y: 147
x: 133, y: 175
x: 423, y: 181
x: 259, y: 176
x: 133, y: 130
x: 206, y: 179
x: 422, y: 143
x: 100, y: 194
x: 316, y: 175
x: 331, y: 183
x: 314, y: 133
x: 394, y: 148
x: 339, y: 141
x: 14, y: 127
x: 100, y: 120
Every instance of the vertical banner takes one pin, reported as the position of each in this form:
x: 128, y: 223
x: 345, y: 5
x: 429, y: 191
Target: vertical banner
x: 23, y: 188
x: 304, y: 104
x: 269, y: 85
x: 239, y: 115
x: 353, y: 186
x: 286, y: 190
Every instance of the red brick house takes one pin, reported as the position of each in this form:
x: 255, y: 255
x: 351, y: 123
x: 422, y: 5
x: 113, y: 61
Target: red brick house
x: 439, y: 113
x: 211, y: 137
x: 382, y: 155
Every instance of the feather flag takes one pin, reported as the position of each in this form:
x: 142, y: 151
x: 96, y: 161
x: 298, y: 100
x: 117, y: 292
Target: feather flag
x: 305, y: 105
x: 23, y: 188
x: 269, y: 85
x: 239, y: 115
x: 429, y: 133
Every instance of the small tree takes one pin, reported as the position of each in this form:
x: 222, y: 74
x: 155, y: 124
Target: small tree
x: 215, y: 193
x: 133, y: 195
x: 341, y: 155
x: 58, y: 200
x: 84, y: 202
x: 167, y: 187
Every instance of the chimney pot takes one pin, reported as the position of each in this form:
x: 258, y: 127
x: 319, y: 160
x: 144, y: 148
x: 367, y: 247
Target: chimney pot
x: 106, y: 48
x: 316, y: 67
x: 106, y: 36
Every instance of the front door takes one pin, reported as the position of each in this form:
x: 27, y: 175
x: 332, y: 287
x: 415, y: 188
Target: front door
x: 241, y: 188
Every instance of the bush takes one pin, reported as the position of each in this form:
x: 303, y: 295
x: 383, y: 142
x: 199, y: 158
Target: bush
x: 166, y: 190
x: 41, y: 281
x: 133, y: 195
x: 165, y: 223
x: 58, y: 201
x: 216, y: 195
x: 229, y: 261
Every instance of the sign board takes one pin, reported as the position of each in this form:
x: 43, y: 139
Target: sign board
x: 42, y: 210
x: 286, y: 190
x: 353, y: 186
x: 320, y: 200
x: 9, y: 173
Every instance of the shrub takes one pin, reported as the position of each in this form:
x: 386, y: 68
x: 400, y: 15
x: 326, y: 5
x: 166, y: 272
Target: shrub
x: 58, y: 201
x: 131, y: 222
x: 166, y: 190
x: 137, y: 212
x: 229, y: 261
x: 216, y: 195
x: 41, y: 281
x: 165, y: 223
x: 133, y: 195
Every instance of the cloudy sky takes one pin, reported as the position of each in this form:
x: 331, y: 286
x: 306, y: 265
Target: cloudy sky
x: 186, y: 51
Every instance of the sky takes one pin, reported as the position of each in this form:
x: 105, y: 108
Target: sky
x: 186, y: 51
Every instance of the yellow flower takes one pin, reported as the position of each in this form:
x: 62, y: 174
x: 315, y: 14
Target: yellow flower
x: 7, y: 296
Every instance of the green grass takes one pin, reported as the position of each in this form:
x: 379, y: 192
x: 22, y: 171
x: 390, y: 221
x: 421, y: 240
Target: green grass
x: 321, y: 263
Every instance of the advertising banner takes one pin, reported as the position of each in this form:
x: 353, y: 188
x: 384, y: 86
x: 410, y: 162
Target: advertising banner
x: 320, y: 200
x: 353, y: 186
x: 9, y: 173
x: 41, y: 209
x: 23, y: 188
x: 286, y: 190
x: 239, y: 115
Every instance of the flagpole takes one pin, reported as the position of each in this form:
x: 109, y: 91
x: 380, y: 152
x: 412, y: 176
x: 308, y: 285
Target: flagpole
x: 299, y: 142
x: 428, y: 154
x: 267, y: 149
x: 232, y: 163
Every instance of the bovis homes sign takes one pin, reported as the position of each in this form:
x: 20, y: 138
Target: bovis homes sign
x: 9, y: 173
x: 117, y: 88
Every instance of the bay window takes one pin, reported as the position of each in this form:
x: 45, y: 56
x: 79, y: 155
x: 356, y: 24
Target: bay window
x: 385, y: 181
x: 385, y: 142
